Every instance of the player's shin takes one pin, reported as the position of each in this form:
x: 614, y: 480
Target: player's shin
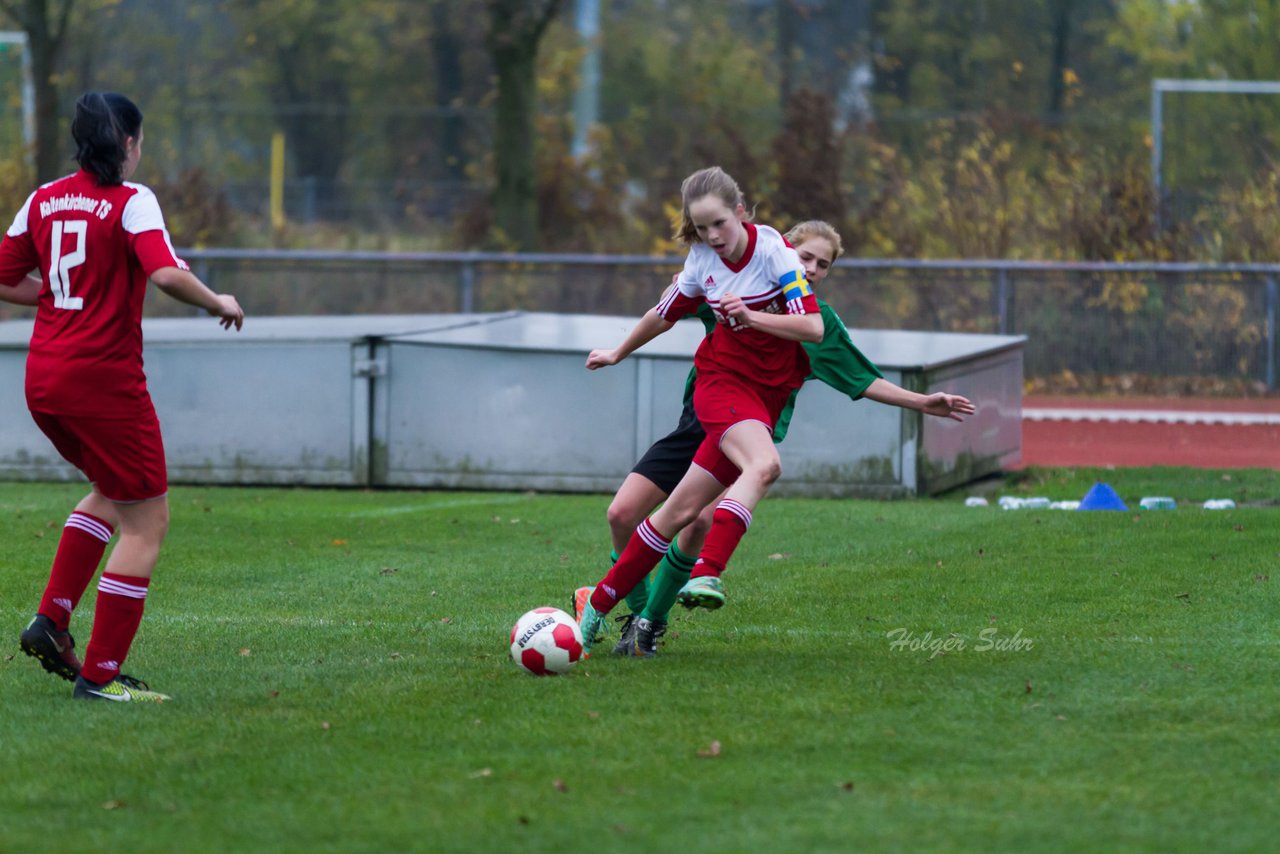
x: 121, y: 600
x: 639, y: 595
x: 728, y: 526
x: 642, y: 553
x: 672, y: 574
x: 80, y: 549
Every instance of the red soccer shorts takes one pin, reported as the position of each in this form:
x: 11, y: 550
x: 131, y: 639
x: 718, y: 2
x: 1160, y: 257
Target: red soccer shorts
x: 723, y: 400
x: 123, y: 458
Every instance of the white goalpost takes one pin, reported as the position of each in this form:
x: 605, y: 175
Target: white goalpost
x: 19, y: 39
x: 1160, y: 86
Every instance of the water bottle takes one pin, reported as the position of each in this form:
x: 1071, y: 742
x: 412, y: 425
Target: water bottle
x: 1157, y: 502
x: 975, y: 501
x: 1219, y: 504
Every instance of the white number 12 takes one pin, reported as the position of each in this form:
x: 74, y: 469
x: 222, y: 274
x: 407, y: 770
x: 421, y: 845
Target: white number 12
x: 60, y: 265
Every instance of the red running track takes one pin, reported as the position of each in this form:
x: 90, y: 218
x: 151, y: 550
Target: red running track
x: 1197, y: 433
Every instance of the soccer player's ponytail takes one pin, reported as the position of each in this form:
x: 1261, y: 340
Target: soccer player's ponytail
x: 102, y: 124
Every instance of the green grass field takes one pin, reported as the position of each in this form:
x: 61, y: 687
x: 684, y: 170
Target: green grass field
x: 912, y: 675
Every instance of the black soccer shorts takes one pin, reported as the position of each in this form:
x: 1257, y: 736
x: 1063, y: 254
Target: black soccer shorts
x: 667, y: 459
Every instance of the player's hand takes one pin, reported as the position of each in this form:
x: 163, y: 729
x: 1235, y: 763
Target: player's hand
x: 951, y: 406
x: 733, y: 306
x: 601, y: 359
x: 228, y: 312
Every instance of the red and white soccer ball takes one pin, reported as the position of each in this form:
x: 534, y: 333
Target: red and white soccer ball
x: 546, y: 642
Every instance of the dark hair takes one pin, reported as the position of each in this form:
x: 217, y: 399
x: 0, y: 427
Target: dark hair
x: 103, y: 121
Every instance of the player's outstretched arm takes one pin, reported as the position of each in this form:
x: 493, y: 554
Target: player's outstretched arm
x: 650, y: 327
x: 25, y: 292
x: 938, y: 404
x: 184, y: 286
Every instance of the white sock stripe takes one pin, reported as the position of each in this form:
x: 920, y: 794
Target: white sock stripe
x: 737, y: 509
x: 119, y: 588
x: 651, y: 537
x: 89, y: 526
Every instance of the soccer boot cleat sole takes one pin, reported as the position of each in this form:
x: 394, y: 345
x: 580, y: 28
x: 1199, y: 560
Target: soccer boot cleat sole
x: 703, y: 592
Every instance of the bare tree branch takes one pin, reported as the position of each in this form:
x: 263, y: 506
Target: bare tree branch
x: 64, y: 19
x: 549, y: 10
x: 521, y: 22
x: 12, y: 11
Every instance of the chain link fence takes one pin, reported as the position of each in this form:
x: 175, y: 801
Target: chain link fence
x: 1215, y: 324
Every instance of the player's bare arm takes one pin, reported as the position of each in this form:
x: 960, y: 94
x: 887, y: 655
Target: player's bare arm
x: 792, y: 327
x: 938, y: 404
x: 650, y: 326
x: 184, y: 286
x: 25, y: 292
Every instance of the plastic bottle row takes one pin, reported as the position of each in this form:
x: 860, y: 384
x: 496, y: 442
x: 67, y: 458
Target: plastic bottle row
x: 1155, y: 502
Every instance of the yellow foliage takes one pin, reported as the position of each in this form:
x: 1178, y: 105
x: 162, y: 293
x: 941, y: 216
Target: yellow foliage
x: 1125, y: 296
x: 15, y: 185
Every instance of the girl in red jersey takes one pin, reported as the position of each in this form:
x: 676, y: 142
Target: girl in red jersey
x: 746, y: 370
x: 835, y: 362
x: 94, y: 240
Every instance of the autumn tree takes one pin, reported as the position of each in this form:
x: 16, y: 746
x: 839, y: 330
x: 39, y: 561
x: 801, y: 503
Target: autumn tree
x: 516, y: 27
x: 315, y: 58
x: 1035, y: 59
x: 46, y: 23
x: 807, y: 153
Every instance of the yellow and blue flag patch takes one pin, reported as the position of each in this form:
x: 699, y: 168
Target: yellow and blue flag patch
x: 795, y: 285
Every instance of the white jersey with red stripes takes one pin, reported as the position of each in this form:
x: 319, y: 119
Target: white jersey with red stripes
x: 768, y: 277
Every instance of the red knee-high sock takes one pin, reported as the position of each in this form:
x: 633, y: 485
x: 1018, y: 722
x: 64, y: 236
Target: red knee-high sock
x: 84, y: 539
x: 115, y: 622
x: 728, y: 525
x: 645, y: 548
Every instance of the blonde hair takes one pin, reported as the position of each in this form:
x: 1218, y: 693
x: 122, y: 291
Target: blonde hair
x: 712, y: 181
x: 802, y: 231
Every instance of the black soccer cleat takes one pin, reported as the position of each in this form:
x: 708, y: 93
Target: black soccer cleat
x: 647, y: 635
x: 54, y: 650
x: 627, y: 641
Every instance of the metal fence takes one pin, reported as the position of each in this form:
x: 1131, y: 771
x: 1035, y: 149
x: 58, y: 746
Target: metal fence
x: 1165, y: 320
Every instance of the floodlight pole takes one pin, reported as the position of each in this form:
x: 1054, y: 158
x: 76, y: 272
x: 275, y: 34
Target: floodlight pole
x: 28, y: 92
x: 1161, y: 85
x: 586, y: 101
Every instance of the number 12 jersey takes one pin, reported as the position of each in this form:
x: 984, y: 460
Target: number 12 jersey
x: 94, y: 247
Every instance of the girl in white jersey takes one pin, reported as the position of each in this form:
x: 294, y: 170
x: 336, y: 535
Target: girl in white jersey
x: 747, y: 368
x: 835, y: 362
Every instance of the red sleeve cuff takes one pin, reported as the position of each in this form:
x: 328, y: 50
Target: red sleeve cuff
x: 153, y: 251
x: 17, y: 258
x: 676, y: 305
